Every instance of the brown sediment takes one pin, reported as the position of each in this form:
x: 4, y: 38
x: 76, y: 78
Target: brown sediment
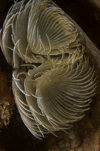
x: 6, y: 101
x: 5, y: 112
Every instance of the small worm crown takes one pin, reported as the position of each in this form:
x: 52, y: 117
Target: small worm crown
x: 53, y: 80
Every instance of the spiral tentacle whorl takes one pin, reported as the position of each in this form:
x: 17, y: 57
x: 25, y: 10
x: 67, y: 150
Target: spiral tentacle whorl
x: 53, y: 80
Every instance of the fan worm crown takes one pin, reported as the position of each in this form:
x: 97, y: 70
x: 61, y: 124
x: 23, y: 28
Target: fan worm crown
x: 53, y: 79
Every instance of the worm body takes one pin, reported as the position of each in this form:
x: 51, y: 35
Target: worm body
x: 53, y: 79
